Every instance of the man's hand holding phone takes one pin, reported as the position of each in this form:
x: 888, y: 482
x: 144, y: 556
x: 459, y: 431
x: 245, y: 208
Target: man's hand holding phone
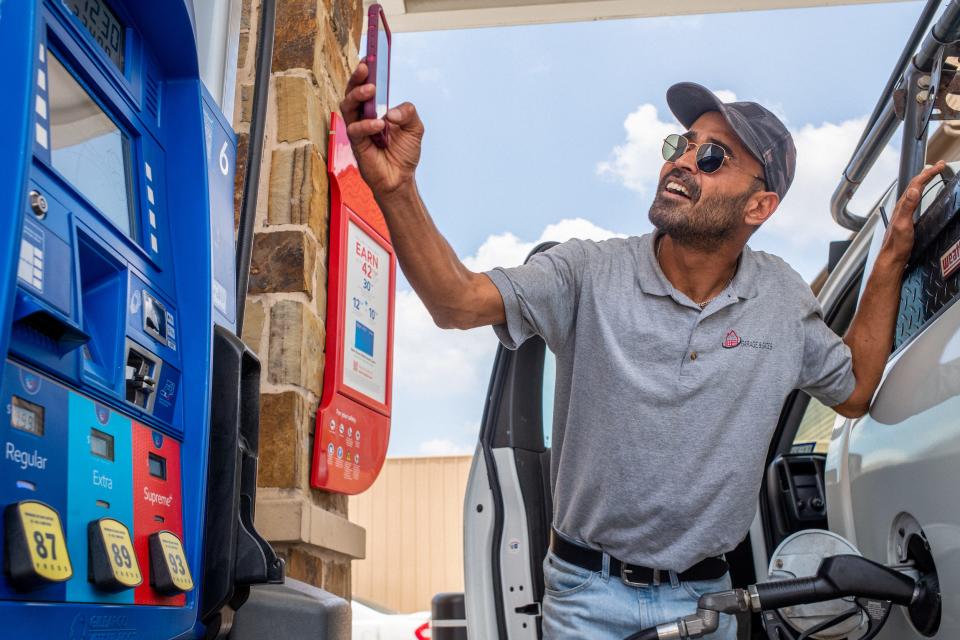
x: 389, y: 168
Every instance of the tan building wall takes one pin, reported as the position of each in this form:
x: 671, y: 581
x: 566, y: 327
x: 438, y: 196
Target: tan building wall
x: 316, y: 44
x: 413, y: 515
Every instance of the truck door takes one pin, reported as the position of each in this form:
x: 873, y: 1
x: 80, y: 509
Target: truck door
x: 792, y: 496
x: 508, y: 507
x: 891, y: 475
x: 817, y: 474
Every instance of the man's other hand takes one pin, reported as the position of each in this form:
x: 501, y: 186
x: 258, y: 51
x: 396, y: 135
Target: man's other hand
x: 898, y: 241
x: 385, y: 170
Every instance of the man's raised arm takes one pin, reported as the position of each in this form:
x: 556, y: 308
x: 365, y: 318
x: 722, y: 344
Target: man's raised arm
x: 870, y: 336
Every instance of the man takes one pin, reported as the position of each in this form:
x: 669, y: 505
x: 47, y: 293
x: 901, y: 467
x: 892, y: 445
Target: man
x: 674, y: 353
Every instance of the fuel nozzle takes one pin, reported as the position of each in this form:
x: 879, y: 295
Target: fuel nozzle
x: 704, y: 621
x: 837, y: 577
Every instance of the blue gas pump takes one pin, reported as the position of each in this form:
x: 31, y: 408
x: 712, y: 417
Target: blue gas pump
x: 127, y: 510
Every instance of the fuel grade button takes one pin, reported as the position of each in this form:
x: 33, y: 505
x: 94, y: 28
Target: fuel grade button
x: 35, y: 552
x: 169, y: 573
x: 113, y: 564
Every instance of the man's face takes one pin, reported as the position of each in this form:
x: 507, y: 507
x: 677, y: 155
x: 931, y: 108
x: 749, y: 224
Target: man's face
x: 714, y: 204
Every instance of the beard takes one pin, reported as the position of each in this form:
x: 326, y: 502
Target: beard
x: 702, y: 224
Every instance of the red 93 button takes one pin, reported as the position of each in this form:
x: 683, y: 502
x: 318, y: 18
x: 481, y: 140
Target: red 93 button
x: 169, y: 573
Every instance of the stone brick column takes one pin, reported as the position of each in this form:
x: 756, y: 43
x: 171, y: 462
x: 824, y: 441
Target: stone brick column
x: 315, y: 48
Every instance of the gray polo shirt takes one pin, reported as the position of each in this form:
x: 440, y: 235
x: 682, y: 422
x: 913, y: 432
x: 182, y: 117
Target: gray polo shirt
x: 663, y: 413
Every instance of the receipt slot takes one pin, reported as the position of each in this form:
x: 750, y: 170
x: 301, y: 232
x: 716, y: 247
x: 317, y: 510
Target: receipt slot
x: 117, y: 268
x: 353, y: 421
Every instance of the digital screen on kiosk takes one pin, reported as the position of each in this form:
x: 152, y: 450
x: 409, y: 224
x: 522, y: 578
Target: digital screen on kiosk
x: 89, y: 149
x: 367, y: 312
x: 103, y: 25
x: 26, y: 416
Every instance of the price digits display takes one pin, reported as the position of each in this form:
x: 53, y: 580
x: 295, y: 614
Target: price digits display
x: 103, y: 25
x: 26, y: 416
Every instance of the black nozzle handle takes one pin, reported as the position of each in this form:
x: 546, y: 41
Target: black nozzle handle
x: 645, y: 634
x: 838, y: 577
x: 785, y: 593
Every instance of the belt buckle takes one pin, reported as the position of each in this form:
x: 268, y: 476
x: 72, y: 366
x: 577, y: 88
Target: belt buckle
x: 626, y: 571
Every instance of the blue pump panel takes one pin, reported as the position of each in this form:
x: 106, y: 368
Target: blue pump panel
x: 116, y: 178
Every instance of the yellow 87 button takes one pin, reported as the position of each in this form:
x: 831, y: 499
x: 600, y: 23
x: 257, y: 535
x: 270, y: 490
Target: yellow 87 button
x: 36, y: 549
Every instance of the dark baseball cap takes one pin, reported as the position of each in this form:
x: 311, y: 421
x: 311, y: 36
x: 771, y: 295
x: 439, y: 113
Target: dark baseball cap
x: 759, y: 130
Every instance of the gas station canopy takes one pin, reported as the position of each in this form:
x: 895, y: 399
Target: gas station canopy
x: 432, y: 15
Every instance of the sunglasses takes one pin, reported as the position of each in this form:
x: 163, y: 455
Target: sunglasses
x: 710, y: 156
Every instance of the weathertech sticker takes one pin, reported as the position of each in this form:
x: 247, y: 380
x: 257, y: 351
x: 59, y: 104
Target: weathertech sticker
x: 950, y: 261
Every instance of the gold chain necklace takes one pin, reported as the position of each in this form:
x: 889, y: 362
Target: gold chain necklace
x: 702, y: 305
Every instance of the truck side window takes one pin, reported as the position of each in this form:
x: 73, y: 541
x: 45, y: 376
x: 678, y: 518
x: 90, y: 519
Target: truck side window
x: 815, y: 428
x: 549, y: 383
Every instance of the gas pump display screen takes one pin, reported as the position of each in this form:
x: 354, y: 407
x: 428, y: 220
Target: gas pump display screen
x: 88, y: 148
x: 158, y: 466
x: 103, y: 25
x: 26, y: 416
x: 101, y: 444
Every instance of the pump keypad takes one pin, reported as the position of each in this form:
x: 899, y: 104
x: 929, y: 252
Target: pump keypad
x: 35, y: 549
x: 169, y: 573
x: 113, y: 563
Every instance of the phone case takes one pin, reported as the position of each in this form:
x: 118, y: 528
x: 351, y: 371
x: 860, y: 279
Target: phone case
x: 376, y: 20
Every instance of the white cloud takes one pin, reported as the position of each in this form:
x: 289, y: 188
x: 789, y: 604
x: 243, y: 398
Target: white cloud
x: 426, y: 357
x: 451, y: 362
x: 507, y: 250
x: 636, y: 163
x: 822, y: 154
x: 801, y: 228
x: 443, y: 372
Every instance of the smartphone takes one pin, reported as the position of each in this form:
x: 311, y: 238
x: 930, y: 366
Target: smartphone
x: 378, y: 65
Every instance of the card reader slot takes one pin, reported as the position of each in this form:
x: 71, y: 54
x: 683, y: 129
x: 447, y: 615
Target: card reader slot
x: 141, y: 374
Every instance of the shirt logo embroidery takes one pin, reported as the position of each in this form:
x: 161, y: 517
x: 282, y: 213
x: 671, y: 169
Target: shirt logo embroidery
x: 732, y: 341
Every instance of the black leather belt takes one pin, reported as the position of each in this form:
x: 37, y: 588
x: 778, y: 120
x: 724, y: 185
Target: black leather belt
x: 632, y: 574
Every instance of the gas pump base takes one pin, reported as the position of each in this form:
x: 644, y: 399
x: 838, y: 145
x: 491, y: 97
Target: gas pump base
x: 292, y: 610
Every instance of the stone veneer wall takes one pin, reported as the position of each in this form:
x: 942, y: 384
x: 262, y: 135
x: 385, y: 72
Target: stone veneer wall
x: 315, y: 49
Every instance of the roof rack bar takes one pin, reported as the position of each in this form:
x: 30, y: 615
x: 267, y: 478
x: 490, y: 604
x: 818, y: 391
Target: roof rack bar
x: 914, y: 146
x: 916, y: 36
x: 863, y: 158
x: 883, y: 121
x: 946, y: 31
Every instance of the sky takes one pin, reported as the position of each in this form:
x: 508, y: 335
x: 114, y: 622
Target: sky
x: 550, y: 132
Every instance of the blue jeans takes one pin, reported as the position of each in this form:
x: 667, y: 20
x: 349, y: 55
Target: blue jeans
x: 579, y: 603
